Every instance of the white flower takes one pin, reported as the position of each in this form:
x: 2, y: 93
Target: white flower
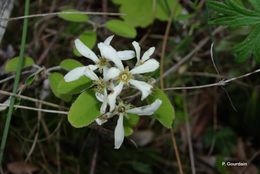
x: 144, y: 65
x: 144, y: 110
x: 108, y: 53
x: 145, y: 56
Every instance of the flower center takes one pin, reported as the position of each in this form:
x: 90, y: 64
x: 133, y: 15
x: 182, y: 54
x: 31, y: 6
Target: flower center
x: 121, y: 109
x: 102, y: 62
x: 125, y: 76
x: 100, y: 86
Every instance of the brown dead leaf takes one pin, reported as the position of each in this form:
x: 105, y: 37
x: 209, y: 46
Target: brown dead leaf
x: 21, y: 167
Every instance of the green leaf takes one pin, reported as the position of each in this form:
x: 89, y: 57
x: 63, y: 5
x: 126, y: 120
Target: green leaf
x: 165, y: 7
x: 233, y: 13
x: 84, y: 110
x: 74, y: 87
x: 121, y: 28
x: 54, y: 79
x: 70, y: 64
x: 138, y: 13
x: 73, y: 17
x: 255, y: 4
x: 221, y: 7
x: 89, y: 38
x: 165, y: 114
x: 249, y: 46
x: 130, y: 121
x: 11, y: 65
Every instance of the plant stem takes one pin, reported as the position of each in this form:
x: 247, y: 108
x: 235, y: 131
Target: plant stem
x: 16, y: 82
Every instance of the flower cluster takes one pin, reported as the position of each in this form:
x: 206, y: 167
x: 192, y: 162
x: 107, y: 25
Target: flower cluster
x: 111, y: 77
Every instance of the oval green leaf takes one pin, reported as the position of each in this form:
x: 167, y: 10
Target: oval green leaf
x: 54, y: 79
x: 11, y: 65
x: 130, y: 121
x: 73, y: 17
x: 165, y: 114
x: 74, y: 87
x: 70, y: 64
x: 121, y: 28
x: 84, y: 110
x: 89, y: 38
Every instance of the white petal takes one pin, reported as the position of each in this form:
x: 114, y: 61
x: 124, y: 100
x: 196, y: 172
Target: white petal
x: 126, y: 55
x: 146, y: 110
x: 75, y: 74
x: 147, y: 54
x: 85, y: 51
x: 111, y: 85
x: 100, y: 96
x: 148, y: 66
x: 103, y: 107
x: 108, y: 40
x: 89, y: 72
x: 110, y: 53
x: 119, y: 132
x: 144, y: 87
x: 111, y: 73
x: 100, y: 121
x: 112, y: 96
x: 137, y: 50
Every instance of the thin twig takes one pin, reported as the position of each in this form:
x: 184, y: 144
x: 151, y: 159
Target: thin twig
x: 165, y: 39
x: 59, y: 13
x: 36, y: 137
x: 188, y: 129
x: 175, y: 147
x: 33, y: 100
x: 13, y: 76
x: 94, y: 161
x: 220, y: 83
x: 37, y: 109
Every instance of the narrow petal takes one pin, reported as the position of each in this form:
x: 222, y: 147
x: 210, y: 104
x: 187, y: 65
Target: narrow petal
x: 126, y: 55
x: 146, y: 110
x: 148, y: 66
x: 137, y: 50
x: 113, y: 95
x: 75, y: 74
x: 100, y: 97
x: 89, y: 72
x: 108, y: 40
x: 103, y: 107
x: 110, y: 53
x: 100, y: 121
x: 144, y: 87
x: 85, y: 51
x: 119, y: 132
x: 111, y: 73
x: 148, y: 54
